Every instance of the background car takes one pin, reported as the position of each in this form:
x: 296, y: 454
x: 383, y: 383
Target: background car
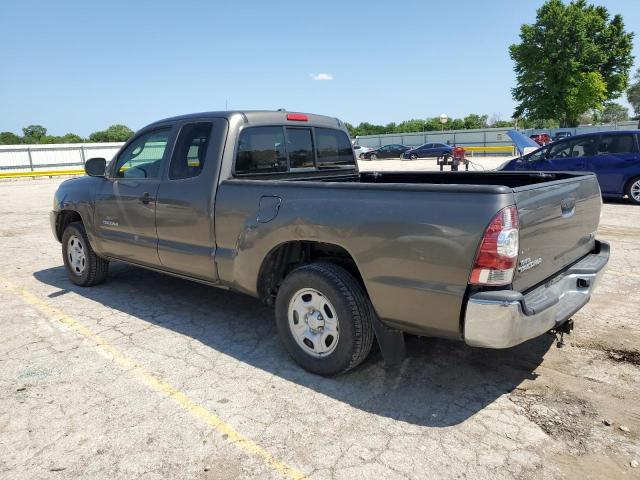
x: 613, y: 156
x: 560, y: 135
x: 541, y: 138
x: 428, y: 150
x: 395, y: 150
x: 359, y: 150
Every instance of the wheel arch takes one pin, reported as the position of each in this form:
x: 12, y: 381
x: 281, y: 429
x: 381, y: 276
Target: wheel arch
x: 64, y: 218
x: 286, y: 256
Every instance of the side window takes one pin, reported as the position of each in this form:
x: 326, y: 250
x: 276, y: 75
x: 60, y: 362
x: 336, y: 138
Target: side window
x: 189, y: 155
x: 300, y: 148
x: 617, y: 144
x: 143, y: 157
x: 261, y: 150
x: 333, y: 148
x: 583, y: 147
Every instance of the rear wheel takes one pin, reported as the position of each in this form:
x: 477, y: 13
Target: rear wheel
x: 84, y: 267
x: 324, y: 319
x: 633, y: 190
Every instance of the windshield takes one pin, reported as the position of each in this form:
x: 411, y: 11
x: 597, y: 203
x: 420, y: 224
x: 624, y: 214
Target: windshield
x: 537, y: 155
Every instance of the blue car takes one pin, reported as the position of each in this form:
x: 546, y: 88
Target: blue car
x: 613, y: 156
x: 428, y: 150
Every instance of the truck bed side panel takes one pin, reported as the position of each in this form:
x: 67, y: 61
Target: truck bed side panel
x: 414, y: 246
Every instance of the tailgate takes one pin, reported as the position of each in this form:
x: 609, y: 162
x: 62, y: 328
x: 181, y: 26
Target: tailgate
x: 558, y: 223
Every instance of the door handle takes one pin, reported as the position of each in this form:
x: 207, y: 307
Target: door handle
x: 146, y: 198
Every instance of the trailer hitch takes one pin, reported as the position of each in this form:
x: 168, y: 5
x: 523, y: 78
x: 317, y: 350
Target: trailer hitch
x: 560, y: 330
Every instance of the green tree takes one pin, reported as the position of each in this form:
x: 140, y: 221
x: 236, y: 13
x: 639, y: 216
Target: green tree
x: 614, y: 112
x: 33, y: 133
x: 115, y: 133
x: 633, y: 94
x: 71, y: 138
x: 573, y: 59
x: 474, y: 120
x: 9, y: 138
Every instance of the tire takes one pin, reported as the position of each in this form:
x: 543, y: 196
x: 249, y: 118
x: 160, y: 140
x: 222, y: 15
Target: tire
x: 633, y: 190
x: 413, y: 157
x: 373, y: 157
x: 83, y: 266
x: 348, y: 319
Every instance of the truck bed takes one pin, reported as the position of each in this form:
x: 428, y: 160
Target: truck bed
x: 413, y: 235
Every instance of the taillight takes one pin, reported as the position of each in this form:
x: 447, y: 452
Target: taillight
x: 496, y: 258
x: 297, y: 117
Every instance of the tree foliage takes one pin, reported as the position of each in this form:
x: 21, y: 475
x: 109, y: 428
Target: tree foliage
x: 472, y: 120
x: 33, y: 133
x: 572, y: 59
x: 614, y: 112
x: 9, y: 138
x: 633, y: 94
x: 115, y: 133
x: 37, y: 134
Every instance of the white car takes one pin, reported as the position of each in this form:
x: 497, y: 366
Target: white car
x: 359, y: 150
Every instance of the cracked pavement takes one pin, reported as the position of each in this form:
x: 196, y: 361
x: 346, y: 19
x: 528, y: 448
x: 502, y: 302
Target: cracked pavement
x: 68, y: 409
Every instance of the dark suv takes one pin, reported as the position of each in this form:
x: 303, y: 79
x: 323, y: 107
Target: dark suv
x: 613, y: 156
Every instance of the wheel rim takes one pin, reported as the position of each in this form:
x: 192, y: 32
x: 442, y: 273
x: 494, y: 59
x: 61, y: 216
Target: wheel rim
x: 374, y: 157
x: 76, y: 255
x: 413, y: 157
x: 635, y: 190
x: 313, y: 322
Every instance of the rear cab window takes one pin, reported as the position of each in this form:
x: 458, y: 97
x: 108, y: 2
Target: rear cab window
x: 280, y: 149
x: 333, y: 149
x: 261, y: 150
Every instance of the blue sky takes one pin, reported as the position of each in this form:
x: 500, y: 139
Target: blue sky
x: 79, y: 66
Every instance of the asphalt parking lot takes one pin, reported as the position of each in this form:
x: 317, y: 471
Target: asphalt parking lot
x: 149, y: 376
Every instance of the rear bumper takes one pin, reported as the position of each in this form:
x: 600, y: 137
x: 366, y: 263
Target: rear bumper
x: 504, y: 318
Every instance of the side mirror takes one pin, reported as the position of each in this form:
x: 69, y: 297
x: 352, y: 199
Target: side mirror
x: 95, y: 167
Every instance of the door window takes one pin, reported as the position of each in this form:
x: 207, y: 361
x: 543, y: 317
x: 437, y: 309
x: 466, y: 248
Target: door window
x: 624, y: 143
x: 261, y: 150
x: 579, y: 147
x: 143, y: 157
x: 300, y: 148
x: 191, y: 148
x: 333, y: 148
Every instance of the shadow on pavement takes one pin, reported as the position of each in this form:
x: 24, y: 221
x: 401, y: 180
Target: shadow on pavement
x: 441, y: 383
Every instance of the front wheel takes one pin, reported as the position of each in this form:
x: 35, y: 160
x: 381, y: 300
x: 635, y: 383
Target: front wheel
x: 84, y: 267
x: 633, y: 190
x: 324, y: 319
x: 373, y: 157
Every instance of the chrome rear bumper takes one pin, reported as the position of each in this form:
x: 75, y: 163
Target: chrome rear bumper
x: 504, y: 318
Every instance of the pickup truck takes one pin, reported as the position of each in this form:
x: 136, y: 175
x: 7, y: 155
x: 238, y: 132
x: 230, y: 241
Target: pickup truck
x: 272, y: 204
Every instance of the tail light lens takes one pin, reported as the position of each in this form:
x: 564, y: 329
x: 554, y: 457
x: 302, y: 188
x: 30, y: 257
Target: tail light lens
x: 495, y: 261
x: 298, y: 117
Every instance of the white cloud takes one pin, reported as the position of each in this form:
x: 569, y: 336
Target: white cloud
x: 321, y: 76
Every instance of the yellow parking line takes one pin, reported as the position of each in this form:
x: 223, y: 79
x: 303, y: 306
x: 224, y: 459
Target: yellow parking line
x: 40, y: 173
x: 234, y: 437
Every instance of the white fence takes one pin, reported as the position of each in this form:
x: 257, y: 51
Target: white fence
x: 34, y: 158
